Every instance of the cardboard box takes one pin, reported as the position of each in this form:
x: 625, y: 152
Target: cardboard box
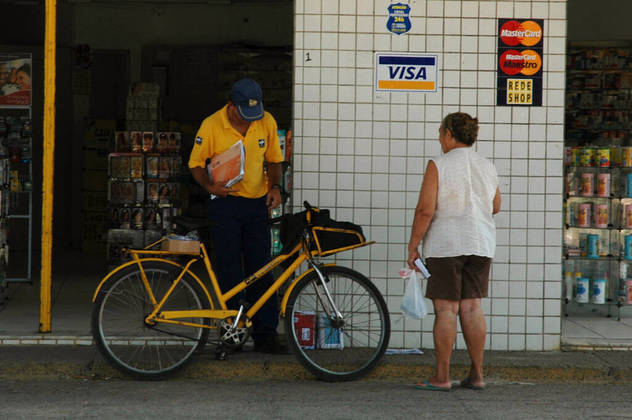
x: 305, y: 328
x: 181, y: 246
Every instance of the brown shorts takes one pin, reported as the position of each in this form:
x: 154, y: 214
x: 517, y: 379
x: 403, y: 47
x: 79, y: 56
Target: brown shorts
x: 456, y: 278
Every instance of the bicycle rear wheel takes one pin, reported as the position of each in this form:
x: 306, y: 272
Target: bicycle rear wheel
x: 331, y: 349
x: 127, y: 342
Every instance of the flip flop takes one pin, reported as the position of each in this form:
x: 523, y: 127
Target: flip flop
x: 425, y: 386
x: 467, y: 383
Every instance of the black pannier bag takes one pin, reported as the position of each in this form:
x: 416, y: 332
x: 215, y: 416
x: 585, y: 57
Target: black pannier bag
x: 293, y: 224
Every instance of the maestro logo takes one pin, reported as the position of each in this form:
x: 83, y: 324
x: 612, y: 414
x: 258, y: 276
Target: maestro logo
x: 527, y: 33
x: 527, y: 62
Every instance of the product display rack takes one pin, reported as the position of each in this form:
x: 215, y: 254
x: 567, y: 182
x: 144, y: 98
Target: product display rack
x: 17, y: 186
x: 144, y: 192
x: 598, y: 179
x: 285, y: 140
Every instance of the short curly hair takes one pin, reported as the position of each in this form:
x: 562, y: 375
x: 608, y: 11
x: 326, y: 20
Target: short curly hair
x: 463, y: 127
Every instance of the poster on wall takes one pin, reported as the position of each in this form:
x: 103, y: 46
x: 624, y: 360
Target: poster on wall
x: 15, y: 80
x: 520, y: 60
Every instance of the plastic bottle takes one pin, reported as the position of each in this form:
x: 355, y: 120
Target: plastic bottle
x: 568, y: 283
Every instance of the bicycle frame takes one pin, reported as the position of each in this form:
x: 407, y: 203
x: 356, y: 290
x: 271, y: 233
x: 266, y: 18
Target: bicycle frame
x: 175, y: 316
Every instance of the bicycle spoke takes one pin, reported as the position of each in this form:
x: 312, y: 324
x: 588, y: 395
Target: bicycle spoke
x: 352, y: 348
x: 119, y: 321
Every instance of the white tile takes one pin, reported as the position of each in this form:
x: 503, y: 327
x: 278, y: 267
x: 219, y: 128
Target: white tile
x: 311, y: 40
x: 534, y: 325
x: 469, y: 61
x: 347, y: 7
x: 346, y: 76
x: 451, y: 96
x: 556, y: 28
x: 452, y: 26
x: 417, y: 43
x: 469, y: 44
x: 469, y: 26
x: 557, y: 10
x: 382, y: 42
x: 516, y: 342
x: 346, y: 129
x: 452, y: 44
x: 534, y: 343
x: 328, y: 128
x: 499, y: 324
x: 522, y: 9
x: 451, y: 61
x: 364, y: 7
x: 312, y: 6
x: 328, y: 145
x: 504, y: 9
x: 540, y: 10
x: 311, y: 110
x: 552, y: 325
x: 399, y: 43
x: 487, y: 29
x: 347, y: 42
x: 330, y: 23
x: 487, y: 9
x: 311, y: 23
x: 434, y: 44
x: 329, y: 39
x: 555, y: 62
x: 328, y: 110
x: 434, y: 26
x: 434, y: 8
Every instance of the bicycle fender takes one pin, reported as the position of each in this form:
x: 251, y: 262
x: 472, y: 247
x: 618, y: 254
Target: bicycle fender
x: 122, y: 266
x: 286, y: 296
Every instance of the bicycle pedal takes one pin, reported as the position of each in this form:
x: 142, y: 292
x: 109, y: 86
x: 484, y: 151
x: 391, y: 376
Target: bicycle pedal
x: 221, y: 355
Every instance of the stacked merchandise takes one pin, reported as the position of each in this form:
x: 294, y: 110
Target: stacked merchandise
x: 4, y: 201
x: 143, y: 192
x: 143, y: 107
x: 285, y: 139
x: 15, y: 180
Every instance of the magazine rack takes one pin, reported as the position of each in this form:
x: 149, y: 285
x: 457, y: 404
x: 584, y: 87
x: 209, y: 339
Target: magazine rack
x: 16, y: 188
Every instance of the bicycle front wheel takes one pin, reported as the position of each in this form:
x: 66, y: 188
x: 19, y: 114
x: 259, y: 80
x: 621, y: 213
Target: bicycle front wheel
x: 337, y: 349
x: 135, y: 347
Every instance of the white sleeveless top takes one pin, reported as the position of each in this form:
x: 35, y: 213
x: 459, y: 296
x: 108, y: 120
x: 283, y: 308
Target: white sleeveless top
x: 463, y: 223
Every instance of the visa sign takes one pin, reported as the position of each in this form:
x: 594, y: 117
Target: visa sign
x: 406, y: 72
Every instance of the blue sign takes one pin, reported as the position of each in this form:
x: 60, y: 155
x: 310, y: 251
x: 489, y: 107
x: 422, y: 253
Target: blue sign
x: 398, y: 18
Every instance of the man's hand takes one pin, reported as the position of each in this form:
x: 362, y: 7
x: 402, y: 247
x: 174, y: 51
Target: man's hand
x: 273, y: 199
x: 218, y: 189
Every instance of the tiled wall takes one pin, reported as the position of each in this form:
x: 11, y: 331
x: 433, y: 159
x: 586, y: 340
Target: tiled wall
x: 363, y: 153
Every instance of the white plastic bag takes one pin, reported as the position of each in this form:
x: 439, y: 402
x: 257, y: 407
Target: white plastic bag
x: 413, y: 304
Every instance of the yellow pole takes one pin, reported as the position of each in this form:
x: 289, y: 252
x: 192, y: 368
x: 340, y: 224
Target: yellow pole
x: 48, y: 164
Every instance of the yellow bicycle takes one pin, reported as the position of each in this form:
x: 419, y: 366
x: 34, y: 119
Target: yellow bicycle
x: 152, y: 314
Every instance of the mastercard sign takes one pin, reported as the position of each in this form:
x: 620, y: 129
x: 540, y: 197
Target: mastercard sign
x: 527, y: 62
x: 520, y: 61
x: 526, y: 33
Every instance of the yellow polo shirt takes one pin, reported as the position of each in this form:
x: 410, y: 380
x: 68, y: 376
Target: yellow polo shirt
x: 216, y: 135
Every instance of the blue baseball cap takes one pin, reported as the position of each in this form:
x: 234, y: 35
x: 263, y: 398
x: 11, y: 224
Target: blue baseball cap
x: 246, y: 95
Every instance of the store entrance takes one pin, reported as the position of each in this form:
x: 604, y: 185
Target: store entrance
x: 597, y: 244
x: 157, y: 70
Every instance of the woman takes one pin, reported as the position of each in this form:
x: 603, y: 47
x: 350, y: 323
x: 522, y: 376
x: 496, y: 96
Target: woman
x: 459, y: 194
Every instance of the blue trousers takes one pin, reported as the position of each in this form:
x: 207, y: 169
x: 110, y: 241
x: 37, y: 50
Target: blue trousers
x: 241, y: 242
